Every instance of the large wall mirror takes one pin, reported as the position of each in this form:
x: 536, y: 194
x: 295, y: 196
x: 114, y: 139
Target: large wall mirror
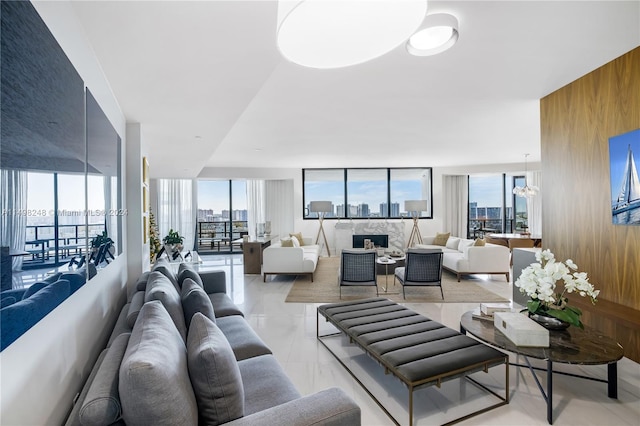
x: 60, y: 164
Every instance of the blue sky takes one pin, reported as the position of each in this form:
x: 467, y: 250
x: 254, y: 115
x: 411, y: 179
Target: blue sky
x: 618, y: 146
x: 214, y: 194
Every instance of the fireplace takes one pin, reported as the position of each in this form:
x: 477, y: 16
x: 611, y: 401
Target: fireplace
x: 378, y: 240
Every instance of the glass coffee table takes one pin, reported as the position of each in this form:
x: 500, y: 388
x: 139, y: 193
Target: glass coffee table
x: 570, y: 346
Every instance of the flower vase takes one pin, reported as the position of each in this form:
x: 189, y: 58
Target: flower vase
x: 549, y: 322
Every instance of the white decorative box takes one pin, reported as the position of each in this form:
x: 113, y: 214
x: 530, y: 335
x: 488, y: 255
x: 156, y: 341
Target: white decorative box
x: 491, y: 308
x: 521, y: 330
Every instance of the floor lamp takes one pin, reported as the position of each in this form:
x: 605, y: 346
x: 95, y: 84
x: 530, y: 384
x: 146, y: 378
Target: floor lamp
x: 415, y: 207
x: 321, y: 207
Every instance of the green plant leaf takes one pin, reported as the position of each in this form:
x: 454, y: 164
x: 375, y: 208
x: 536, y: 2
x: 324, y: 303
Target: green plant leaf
x: 574, y: 310
x: 533, y: 306
x: 566, y: 315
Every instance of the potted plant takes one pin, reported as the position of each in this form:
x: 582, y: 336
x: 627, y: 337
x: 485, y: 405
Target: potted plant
x: 547, y: 307
x: 173, y: 240
x: 100, y: 239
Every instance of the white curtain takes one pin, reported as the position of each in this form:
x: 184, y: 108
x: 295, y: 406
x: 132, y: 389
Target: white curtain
x: 534, y: 204
x: 455, y: 205
x: 279, y: 206
x: 14, y: 199
x: 255, y: 204
x: 175, y: 209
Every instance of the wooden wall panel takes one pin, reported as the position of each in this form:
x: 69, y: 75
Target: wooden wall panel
x: 576, y: 124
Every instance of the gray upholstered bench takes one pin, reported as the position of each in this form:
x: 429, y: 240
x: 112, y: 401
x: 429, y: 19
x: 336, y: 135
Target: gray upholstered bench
x: 417, y: 350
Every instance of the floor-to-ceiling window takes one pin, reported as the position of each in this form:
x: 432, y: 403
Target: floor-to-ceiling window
x: 222, y: 215
x: 493, y: 208
x: 60, y: 223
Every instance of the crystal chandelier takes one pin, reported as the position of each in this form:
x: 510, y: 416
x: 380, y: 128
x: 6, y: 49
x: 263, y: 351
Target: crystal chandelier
x: 525, y: 191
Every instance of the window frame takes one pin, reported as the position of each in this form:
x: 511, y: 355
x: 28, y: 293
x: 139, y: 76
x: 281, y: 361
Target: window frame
x: 388, y: 170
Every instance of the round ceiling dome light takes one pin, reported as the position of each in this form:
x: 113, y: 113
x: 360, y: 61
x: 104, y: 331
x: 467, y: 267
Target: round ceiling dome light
x: 332, y: 34
x: 438, y: 33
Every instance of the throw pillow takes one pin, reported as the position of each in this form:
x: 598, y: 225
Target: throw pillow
x: 286, y: 242
x: 465, y: 244
x: 441, y: 239
x: 453, y: 242
x: 102, y: 404
x: 295, y: 241
x: 33, y: 289
x: 194, y: 299
x: 141, y: 284
x: 154, y: 378
x: 134, y: 308
x: 160, y: 288
x: 187, y: 271
x: 479, y: 242
x: 167, y: 272
x: 214, y: 373
x: 298, y: 235
x: 7, y: 301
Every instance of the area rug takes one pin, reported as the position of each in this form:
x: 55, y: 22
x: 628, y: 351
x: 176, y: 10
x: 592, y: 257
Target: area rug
x: 325, y: 289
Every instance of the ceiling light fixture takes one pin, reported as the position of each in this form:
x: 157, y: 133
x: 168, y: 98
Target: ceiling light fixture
x: 525, y: 191
x: 438, y: 32
x: 332, y: 34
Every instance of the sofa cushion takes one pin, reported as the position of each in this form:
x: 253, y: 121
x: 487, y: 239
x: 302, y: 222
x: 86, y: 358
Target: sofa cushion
x: 134, y: 308
x: 166, y: 270
x: 464, y: 243
x: 33, y: 289
x: 141, y: 284
x: 76, y: 279
x: 160, y: 288
x: 17, y: 318
x: 223, y: 305
x: 185, y: 271
x: 243, y: 340
x: 101, y: 405
x: 441, y: 239
x: 265, y: 384
x: 480, y: 242
x: 214, y: 372
x: 286, y: 242
x: 298, y: 235
x: 7, y: 301
x: 194, y: 299
x: 453, y: 242
x: 154, y: 378
x: 121, y: 325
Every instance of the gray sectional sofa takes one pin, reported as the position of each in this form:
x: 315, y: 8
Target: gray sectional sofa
x: 181, y: 353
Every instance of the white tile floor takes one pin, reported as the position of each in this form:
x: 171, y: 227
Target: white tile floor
x: 289, y: 329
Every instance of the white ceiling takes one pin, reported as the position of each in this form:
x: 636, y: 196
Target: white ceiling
x: 210, y: 89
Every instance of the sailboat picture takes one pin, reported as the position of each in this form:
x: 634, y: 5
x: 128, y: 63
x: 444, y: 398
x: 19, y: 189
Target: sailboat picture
x: 624, y: 152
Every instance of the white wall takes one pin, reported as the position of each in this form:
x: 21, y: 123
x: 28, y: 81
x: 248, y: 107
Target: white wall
x: 43, y: 369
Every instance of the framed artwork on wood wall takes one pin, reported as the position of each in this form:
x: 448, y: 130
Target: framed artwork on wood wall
x: 624, y: 155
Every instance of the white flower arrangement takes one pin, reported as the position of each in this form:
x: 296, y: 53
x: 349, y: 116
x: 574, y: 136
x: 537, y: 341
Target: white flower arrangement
x: 539, y: 280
